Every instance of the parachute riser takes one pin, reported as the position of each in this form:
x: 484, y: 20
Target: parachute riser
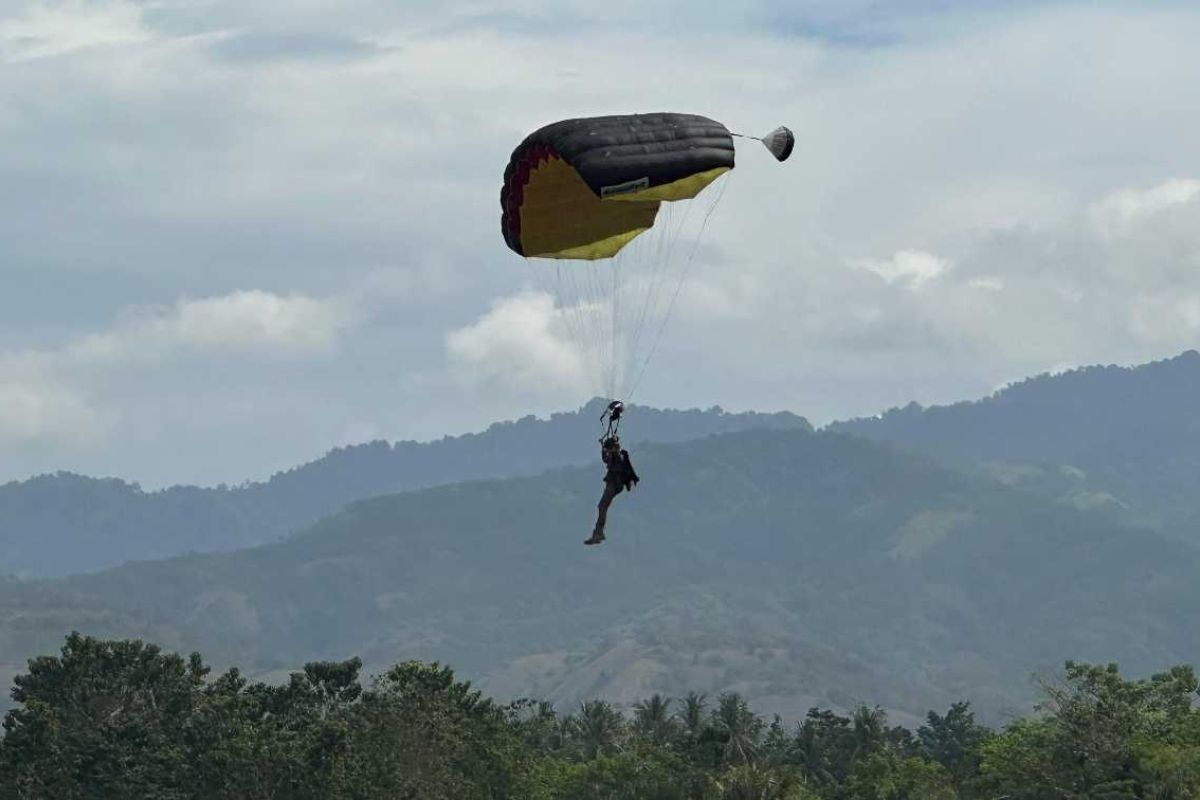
x: 612, y: 418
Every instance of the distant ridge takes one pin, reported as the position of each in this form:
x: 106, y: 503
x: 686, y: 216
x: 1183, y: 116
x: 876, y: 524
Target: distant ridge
x: 66, y: 523
x: 1128, y: 437
x: 1123, y: 439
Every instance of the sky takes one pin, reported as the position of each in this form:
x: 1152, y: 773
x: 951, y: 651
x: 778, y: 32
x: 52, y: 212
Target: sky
x: 237, y: 233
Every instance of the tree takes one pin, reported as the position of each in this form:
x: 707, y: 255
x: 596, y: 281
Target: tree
x: 691, y: 715
x: 740, y: 728
x: 102, y: 719
x: 751, y: 783
x: 652, y: 720
x: 869, y: 731
x: 886, y: 776
x: 419, y: 732
x: 824, y: 746
x: 599, y: 729
x: 1093, y: 740
x: 953, y: 740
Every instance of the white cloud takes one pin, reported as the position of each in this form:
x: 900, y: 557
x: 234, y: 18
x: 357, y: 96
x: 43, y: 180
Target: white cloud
x: 1119, y: 212
x: 42, y: 392
x: 988, y: 283
x: 315, y: 145
x: 51, y: 28
x: 247, y: 322
x: 910, y: 268
x: 35, y: 406
x: 521, y: 345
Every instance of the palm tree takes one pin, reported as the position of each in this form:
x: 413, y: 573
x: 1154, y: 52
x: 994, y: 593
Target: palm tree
x: 741, y: 728
x: 542, y: 727
x: 600, y: 729
x: 870, y: 730
x: 652, y: 719
x: 692, y: 713
x: 750, y: 783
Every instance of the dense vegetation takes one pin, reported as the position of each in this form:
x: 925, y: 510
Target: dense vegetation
x: 121, y: 719
x: 62, y: 524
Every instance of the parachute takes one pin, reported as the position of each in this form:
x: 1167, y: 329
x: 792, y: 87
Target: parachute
x: 597, y: 195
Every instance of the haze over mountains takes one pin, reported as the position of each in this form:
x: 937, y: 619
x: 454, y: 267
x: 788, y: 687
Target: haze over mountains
x: 1124, y: 438
x: 61, y: 524
x: 799, y: 568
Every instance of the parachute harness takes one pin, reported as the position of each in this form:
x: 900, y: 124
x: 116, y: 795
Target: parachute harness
x: 612, y: 416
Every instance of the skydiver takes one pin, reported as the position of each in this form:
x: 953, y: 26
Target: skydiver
x: 618, y: 477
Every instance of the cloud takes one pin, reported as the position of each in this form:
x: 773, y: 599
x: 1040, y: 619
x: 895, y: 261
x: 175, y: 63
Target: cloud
x: 43, y: 392
x: 278, y: 46
x: 519, y: 345
x: 244, y: 322
x: 35, y: 406
x: 910, y: 268
x: 1062, y: 293
x: 1120, y: 212
x: 56, y: 28
x: 970, y: 156
x: 988, y: 283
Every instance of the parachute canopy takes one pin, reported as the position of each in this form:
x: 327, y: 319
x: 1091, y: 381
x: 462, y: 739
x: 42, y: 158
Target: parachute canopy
x: 593, y: 196
x: 584, y: 188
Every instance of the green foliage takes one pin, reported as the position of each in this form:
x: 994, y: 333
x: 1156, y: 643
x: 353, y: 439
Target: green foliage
x: 122, y: 719
x: 886, y: 776
x: 953, y: 740
x: 103, y: 719
x: 1101, y: 737
x: 421, y: 733
x: 626, y: 776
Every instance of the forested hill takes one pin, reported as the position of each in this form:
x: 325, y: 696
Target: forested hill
x: 61, y: 524
x: 1124, y: 437
x: 797, y: 568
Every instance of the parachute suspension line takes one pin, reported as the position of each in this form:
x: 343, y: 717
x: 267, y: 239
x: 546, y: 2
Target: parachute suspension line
x: 600, y: 304
x: 687, y: 268
x: 564, y: 313
x: 616, y: 319
x: 571, y: 314
x: 588, y: 311
x: 577, y: 298
x: 588, y: 308
x: 660, y: 274
x: 654, y: 251
x: 602, y: 324
x: 657, y: 260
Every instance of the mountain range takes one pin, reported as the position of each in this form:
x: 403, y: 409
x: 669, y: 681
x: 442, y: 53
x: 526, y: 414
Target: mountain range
x: 912, y: 560
x: 53, y: 525
x: 1126, y: 438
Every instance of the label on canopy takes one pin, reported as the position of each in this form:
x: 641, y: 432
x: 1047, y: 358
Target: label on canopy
x: 628, y: 187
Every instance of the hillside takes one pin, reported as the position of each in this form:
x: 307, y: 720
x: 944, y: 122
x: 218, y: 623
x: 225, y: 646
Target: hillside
x: 797, y: 568
x: 1125, y: 438
x: 61, y: 524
